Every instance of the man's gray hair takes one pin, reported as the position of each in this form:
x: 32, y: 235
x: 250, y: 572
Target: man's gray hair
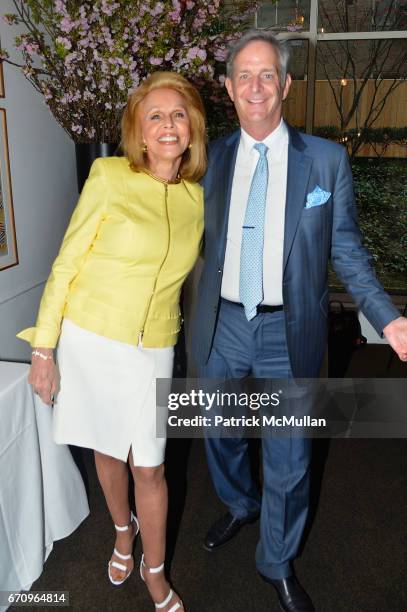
x: 252, y: 35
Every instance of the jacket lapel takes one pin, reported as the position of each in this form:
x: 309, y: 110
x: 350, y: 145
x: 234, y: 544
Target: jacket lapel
x: 299, y: 169
x: 225, y: 172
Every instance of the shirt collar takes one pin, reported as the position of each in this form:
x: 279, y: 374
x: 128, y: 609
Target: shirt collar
x: 275, y: 141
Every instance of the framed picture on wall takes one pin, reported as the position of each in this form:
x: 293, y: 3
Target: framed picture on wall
x: 1, y: 80
x: 8, y: 243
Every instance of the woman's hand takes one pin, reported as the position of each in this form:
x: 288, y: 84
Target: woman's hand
x: 44, y: 376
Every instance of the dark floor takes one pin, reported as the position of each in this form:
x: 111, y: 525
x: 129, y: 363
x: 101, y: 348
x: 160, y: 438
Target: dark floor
x: 354, y: 558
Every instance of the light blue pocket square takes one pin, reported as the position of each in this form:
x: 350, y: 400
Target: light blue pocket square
x: 317, y: 197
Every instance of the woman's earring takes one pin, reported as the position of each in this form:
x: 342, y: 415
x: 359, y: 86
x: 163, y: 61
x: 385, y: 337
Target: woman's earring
x: 144, y: 148
x: 189, y: 146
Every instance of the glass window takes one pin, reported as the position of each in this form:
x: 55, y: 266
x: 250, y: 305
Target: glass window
x: 361, y: 101
x: 285, y: 15
x: 361, y: 15
x: 360, y: 94
x: 296, y: 103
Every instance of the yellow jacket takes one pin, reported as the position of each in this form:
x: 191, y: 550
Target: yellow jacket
x: 131, y: 242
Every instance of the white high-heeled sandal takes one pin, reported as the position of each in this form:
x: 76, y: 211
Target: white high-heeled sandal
x: 155, y: 570
x: 116, y: 564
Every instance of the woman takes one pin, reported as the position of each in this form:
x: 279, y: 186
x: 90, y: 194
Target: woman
x: 113, y: 298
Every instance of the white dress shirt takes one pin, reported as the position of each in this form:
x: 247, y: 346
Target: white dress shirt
x: 246, y: 161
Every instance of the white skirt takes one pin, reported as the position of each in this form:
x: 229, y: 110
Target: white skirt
x: 107, y: 396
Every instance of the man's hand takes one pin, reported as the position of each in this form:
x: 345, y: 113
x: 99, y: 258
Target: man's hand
x: 44, y: 376
x: 396, y: 333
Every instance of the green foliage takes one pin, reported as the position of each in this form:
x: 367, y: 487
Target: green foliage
x: 381, y: 196
x: 378, y: 138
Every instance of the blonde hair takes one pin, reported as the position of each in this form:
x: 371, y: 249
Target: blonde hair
x: 193, y: 164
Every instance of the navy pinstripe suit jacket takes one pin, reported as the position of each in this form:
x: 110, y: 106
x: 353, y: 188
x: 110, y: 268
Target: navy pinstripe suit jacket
x: 312, y: 236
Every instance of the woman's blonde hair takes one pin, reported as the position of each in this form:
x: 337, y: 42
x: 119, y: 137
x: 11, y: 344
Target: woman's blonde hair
x: 193, y: 164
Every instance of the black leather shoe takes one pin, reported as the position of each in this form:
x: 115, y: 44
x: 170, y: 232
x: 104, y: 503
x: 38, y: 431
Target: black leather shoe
x: 224, y: 530
x: 291, y: 595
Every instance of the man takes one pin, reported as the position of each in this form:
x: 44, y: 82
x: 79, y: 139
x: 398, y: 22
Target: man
x: 279, y: 204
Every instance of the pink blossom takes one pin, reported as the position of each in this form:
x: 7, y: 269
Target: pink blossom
x: 196, y: 52
x: 121, y: 83
x: 21, y: 41
x: 27, y: 71
x: 192, y: 52
x: 60, y: 6
x: 201, y: 54
x: 10, y: 19
x: 103, y: 85
x: 175, y: 15
x: 198, y: 23
x: 87, y: 95
x: 64, y: 42
x: 31, y: 48
x: 158, y: 9
x: 67, y: 24
x: 99, y: 56
x: 106, y: 9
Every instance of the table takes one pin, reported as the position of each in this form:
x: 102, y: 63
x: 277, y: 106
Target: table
x: 42, y: 496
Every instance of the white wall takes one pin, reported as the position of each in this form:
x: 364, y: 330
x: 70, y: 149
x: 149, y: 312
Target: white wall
x: 42, y: 160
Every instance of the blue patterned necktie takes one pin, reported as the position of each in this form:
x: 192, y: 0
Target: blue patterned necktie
x: 251, y: 254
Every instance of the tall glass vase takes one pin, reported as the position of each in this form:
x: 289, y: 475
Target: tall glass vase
x: 86, y: 153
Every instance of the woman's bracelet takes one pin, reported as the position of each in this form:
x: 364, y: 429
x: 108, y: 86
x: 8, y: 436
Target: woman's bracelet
x: 37, y: 353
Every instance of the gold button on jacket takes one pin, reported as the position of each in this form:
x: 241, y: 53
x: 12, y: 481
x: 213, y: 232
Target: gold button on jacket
x: 131, y: 242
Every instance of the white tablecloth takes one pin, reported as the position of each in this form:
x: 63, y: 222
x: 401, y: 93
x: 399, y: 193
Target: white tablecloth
x: 42, y: 496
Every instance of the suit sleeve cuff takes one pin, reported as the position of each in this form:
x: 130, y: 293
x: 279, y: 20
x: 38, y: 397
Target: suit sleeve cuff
x: 389, y: 321
x: 38, y: 337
